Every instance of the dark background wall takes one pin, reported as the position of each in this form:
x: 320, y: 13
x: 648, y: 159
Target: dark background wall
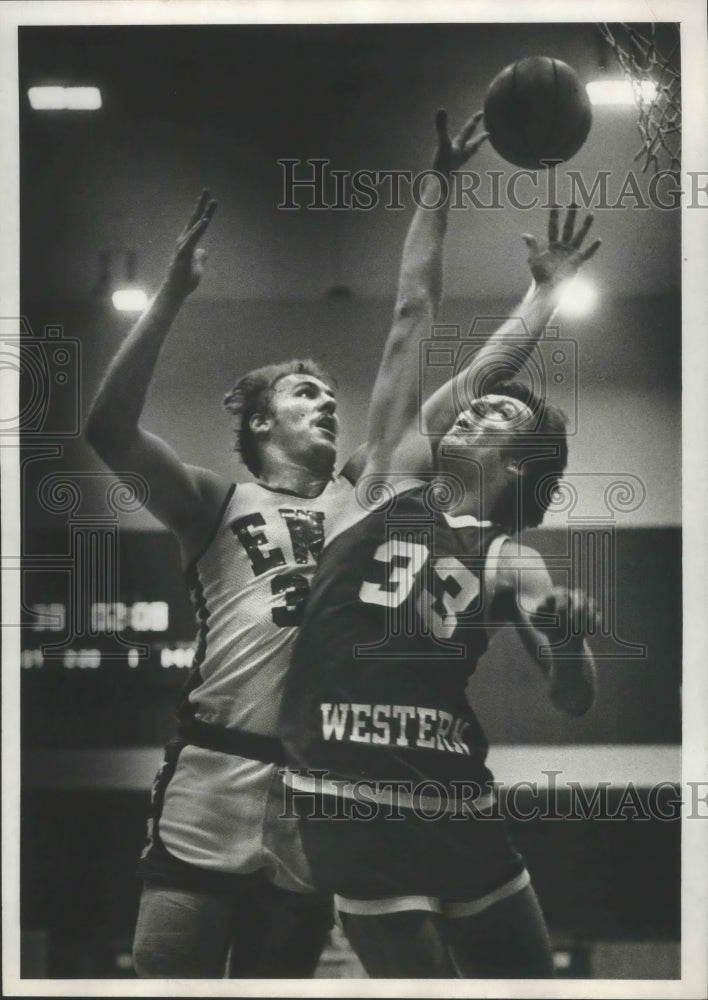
x: 621, y: 382
x: 219, y: 105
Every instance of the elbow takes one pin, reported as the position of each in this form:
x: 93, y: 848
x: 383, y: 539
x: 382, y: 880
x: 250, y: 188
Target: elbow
x: 94, y: 431
x: 414, y: 306
x: 97, y: 432
x: 574, y: 701
x: 575, y: 706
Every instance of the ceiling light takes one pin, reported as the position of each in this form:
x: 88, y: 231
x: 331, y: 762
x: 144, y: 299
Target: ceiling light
x: 82, y: 98
x: 578, y: 297
x: 130, y: 300
x: 620, y: 91
x: 64, y: 98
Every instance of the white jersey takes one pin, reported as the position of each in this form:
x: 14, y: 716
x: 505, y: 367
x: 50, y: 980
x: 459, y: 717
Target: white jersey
x: 216, y: 810
x: 249, y: 588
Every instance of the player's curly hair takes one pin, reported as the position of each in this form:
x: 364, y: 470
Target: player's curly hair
x: 525, y: 503
x: 253, y: 393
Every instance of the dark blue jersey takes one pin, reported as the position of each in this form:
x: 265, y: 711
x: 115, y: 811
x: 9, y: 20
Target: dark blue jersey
x: 393, y: 628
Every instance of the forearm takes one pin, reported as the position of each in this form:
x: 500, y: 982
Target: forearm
x: 116, y: 409
x: 421, y: 273
x: 516, y: 337
x: 395, y: 398
x: 513, y: 342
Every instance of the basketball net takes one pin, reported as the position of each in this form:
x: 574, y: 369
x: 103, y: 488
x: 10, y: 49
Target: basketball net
x: 647, y: 59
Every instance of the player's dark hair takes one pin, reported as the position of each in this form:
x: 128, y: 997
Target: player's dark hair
x: 252, y: 394
x: 541, y: 449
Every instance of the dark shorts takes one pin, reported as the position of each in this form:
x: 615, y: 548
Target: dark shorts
x: 449, y: 857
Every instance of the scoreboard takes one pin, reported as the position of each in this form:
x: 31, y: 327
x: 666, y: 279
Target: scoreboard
x: 99, y: 672
x: 104, y: 619
x: 109, y: 633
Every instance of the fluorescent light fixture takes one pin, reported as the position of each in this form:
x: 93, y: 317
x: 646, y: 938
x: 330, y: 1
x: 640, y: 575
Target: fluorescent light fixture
x: 47, y: 98
x: 82, y: 98
x: 578, y: 298
x: 130, y: 300
x: 64, y: 98
x: 620, y: 91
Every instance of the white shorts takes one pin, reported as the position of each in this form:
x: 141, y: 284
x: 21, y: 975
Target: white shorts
x: 227, y: 814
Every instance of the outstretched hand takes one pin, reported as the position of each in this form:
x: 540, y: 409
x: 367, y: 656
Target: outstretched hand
x: 454, y: 153
x: 575, y: 615
x: 187, y: 264
x: 561, y: 258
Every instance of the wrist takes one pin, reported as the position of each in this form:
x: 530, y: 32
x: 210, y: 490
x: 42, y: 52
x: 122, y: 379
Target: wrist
x: 435, y: 190
x: 544, y: 295
x: 574, y: 646
x: 170, y: 294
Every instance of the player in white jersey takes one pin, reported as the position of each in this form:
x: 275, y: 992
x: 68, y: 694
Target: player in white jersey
x: 227, y: 889
x: 224, y: 878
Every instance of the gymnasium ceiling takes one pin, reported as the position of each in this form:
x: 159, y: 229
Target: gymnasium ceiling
x: 219, y: 105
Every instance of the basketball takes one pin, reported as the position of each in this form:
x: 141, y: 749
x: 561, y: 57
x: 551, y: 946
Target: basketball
x: 537, y: 109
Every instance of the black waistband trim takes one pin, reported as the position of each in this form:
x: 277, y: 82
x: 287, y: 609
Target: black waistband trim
x: 238, y: 742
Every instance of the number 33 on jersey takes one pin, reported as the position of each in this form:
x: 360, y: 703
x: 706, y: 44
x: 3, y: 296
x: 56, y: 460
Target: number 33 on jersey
x: 444, y: 592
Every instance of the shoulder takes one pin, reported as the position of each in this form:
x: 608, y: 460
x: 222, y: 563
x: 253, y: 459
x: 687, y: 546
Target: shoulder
x: 340, y: 483
x: 337, y: 491
x: 522, y: 569
x: 213, y: 490
x: 515, y: 555
x: 215, y: 493
x: 210, y: 484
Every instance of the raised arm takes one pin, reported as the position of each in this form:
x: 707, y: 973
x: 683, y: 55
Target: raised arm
x: 393, y: 410
x: 552, y: 265
x: 185, y: 498
x: 545, y: 616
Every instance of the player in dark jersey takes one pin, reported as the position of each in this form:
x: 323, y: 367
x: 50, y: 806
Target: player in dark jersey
x: 226, y: 884
x: 387, y: 758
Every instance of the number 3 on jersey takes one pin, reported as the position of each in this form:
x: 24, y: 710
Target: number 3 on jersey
x: 295, y: 589
x: 399, y: 563
x: 306, y: 532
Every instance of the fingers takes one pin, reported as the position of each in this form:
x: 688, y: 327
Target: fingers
x: 547, y: 606
x: 473, y: 146
x: 576, y: 612
x: 452, y: 153
x: 569, y: 224
x: 576, y: 241
x: 441, y: 126
x: 198, y: 209
x: 591, y: 250
x: 544, y: 615
x: 553, y: 225
x: 567, y: 236
x: 581, y: 611
x: 530, y: 241
x: 468, y: 128
x: 583, y: 231
x: 200, y: 224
